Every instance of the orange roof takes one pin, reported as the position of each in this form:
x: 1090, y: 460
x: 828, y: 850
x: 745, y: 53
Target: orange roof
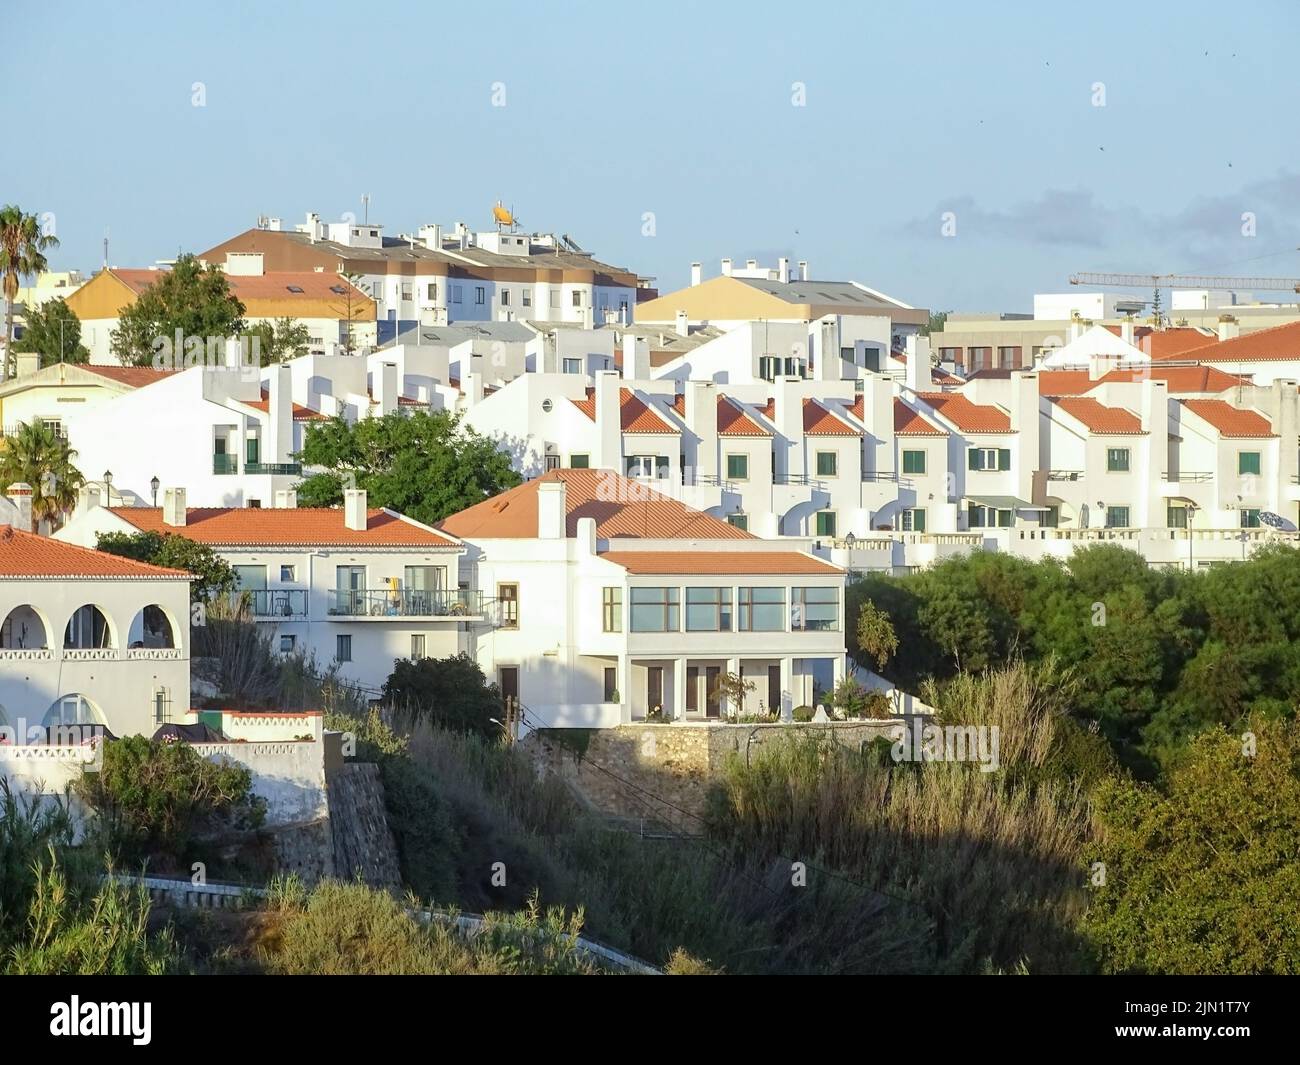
x: 131, y: 376
x: 723, y: 563
x: 635, y: 415
x: 1182, y: 379
x: 280, y: 284
x: 300, y: 526
x: 1164, y: 343
x: 908, y: 422
x: 1098, y: 418
x: 1279, y: 342
x: 1065, y: 382
x: 300, y: 413
x: 1230, y: 420
x: 967, y: 416
x: 24, y: 554
x: 621, y: 507
x: 819, y: 420
x: 733, y: 419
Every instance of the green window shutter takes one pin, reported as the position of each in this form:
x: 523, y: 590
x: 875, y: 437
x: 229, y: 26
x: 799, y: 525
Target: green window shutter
x: 826, y: 523
x: 1004, y: 458
x: 826, y: 463
x: 973, y: 459
x: 1248, y: 462
x: 918, y: 521
x: 579, y: 462
x: 914, y: 462
x: 738, y: 467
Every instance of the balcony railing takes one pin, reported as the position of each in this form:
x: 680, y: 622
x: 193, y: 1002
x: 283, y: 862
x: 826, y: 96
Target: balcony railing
x: 806, y: 480
x: 1065, y: 475
x: 888, y: 477
x: 1188, y: 478
x: 275, y: 602
x: 405, y: 603
x: 714, y: 480
x: 279, y: 469
x: 225, y: 464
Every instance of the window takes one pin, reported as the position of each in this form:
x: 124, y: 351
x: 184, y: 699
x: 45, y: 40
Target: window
x: 655, y: 610
x: 1248, y: 462
x: 417, y: 646
x: 551, y: 462
x: 738, y: 467
x: 343, y: 648
x: 814, y: 609
x: 572, y: 366
x: 162, y: 705
x: 827, y: 463
x: 981, y: 517
x: 738, y: 521
x: 611, y: 685
x: 479, y: 294
x: 577, y: 297
x: 508, y: 598
x: 527, y: 298
x: 647, y: 466
x: 555, y: 300
x: 1009, y: 358
x: 825, y: 523
x: 252, y: 450
x: 1117, y: 459
x: 914, y: 520
x: 978, y: 358
x: 988, y: 458
x: 611, y: 609
x: 914, y: 462
x: 433, y: 292
x: 287, y: 644
x: 407, y: 292
x: 1117, y: 517
x: 1249, y: 518
x: 251, y: 578
x: 762, y: 609
x: 455, y: 293
x: 1176, y: 517
x: 505, y: 297
x: 579, y: 462
x: 288, y: 574
x: 708, y: 609
x: 1051, y: 517
x: 952, y: 355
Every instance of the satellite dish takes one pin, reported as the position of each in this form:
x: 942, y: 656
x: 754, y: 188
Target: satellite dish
x: 502, y: 215
x: 1273, y: 521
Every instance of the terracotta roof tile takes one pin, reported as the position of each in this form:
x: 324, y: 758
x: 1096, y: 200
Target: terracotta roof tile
x: 300, y: 413
x: 1184, y: 379
x: 131, y: 376
x: 621, y: 507
x: 723, y: 563
x: 1229, y: 420
x: 635, y: 415
x: 967, y: 416
x: 733, y: 418
x: 908, y: 422
x: 819, y: 420
x: 299, y: 526
x: 24, y: 554
x: 1098, y: 418
x: 1279, y: 342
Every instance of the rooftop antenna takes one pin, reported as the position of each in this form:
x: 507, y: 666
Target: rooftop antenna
x: 365, y: 202
x: 105, y: 248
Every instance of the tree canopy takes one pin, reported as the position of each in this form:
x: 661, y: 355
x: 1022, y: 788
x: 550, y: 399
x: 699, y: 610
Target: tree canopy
x: 54, y: 331
x: 191, y: 298
x: 38, y: 456
x: 425, y: 465
x: 216, y: 576
x: 447, y: 692
x: 284, y: 338
x: 23, y: 243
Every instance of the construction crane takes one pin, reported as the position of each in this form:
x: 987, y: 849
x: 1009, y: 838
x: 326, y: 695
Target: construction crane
x: 1156, y: 282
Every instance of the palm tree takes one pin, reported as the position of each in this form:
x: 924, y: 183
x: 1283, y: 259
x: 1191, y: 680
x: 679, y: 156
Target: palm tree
x: 38, y: 456
x: 22, y: 247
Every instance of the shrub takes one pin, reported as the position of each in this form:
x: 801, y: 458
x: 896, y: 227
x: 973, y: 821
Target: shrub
x: 153, y: 798
x: 450, y: 692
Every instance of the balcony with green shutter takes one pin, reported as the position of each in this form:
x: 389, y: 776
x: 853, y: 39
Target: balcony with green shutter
x: 224, y: 464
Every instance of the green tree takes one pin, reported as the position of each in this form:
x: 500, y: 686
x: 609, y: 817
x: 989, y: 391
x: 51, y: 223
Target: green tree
x: 216, y: 577
x: 39, y: 457
x: 54, y: 331
x: 1203, y: 875
x: 23, y: 244
x: 935, y: 324
x: 190, y: 298
x: 877, y: 640
x: 427, y: 466
x: 448, y: 692
x: 285, y: 338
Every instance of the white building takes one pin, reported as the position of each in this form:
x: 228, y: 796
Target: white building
x: 614, y: 600
x: 354, y: 586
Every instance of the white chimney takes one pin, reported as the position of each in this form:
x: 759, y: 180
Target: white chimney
x: 697, y: 274
x: 751, y: 264
x: 609, y: 420
x: 783, y: 270
x: 432, y: 236
x: 1126, y: 330
x: 1229, y: 328
x: 173, y: 508
x: 683, y: 324
x: 20, y: 495
x: 280, y: 416
x: 87, y: 498
x: 383, y: 388
x: 636, y: 358
x: 286, y: 499
x: 702, y: 418
x: 803, y: 270
x: 586, y: 535
x: 917, y: 373
x: 726, y: 267
x: 26, y: 362
x: 354, y: 509
x: 551, y: 514
x: 471, y: 388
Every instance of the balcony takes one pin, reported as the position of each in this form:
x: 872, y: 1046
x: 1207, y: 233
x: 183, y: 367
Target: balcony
x: 275, y: 469
x: 405, y: 603
x: 1065, y: 475
x: 887, y: 477
x: 1187, y: 478
x: 803, y: 480
x: 224, y: 464
x: 273, y: 603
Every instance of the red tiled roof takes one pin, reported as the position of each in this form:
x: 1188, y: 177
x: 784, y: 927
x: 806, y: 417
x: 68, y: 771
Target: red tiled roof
x: 1065, y: 382
x: 819, y: 420
x: 131, y: 376
x: 1230, y: 420
x: 1279, y: 342
x: 24, y: 554
x: 621, y: 507
x: 1164, y: 343
x: 1183, y: 379
x: 635, y: 415
x: 274, y: 285
x: 1098, y: 418
x: 733, y: 419
x: 299, y: 526
x: 908, y: 422
x: 967, y: 416
x: 722, y: 563
x: 300, y: 413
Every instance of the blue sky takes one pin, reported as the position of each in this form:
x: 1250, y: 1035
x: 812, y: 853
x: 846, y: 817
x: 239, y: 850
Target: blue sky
x: 683, y: 110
